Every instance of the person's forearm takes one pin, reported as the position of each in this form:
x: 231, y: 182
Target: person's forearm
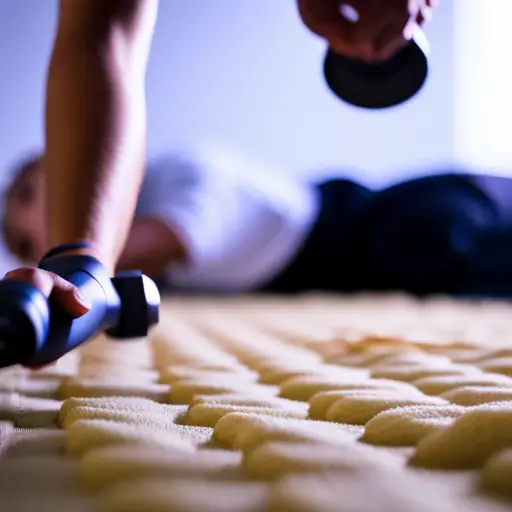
x: 95, y: 138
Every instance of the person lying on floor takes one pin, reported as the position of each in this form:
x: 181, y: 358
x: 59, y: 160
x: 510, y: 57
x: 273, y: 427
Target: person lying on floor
x: 223, y: 224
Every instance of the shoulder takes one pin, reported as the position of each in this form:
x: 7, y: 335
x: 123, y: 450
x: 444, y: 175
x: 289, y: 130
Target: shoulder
x: 175, y: 167
x: 216, y: 170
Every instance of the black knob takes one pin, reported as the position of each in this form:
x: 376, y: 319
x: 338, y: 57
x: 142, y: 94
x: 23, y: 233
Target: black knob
x: 140, y: 301
x: 380, y: 85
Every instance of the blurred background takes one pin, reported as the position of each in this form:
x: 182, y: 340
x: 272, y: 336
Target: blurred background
x: 247, y: 75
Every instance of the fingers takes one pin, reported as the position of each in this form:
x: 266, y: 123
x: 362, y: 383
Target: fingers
x: 390, y: 41
x: 41, y: 280
x: 370, y: 30
x: 69, y: 297
x: 323, y: 18
x: 421, y: 12
x: 424, y: 16
x: 347, y: 27
x: 54, y: 286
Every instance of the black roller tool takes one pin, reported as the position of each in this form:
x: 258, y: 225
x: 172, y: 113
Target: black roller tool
x: 35, y: 331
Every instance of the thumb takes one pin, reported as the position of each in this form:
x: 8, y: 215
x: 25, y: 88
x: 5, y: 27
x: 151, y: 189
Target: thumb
x: 69, y: 296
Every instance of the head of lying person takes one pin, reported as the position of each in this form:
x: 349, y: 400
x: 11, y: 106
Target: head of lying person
x: 23, y: 224
x: 152, y: 244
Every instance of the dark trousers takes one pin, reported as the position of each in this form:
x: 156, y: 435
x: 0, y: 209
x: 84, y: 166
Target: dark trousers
x: 442, y: 234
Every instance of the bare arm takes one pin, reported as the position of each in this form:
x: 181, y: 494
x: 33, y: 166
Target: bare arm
x: 96, y: 121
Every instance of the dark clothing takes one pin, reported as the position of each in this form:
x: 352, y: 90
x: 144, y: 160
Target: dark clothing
x: 443, y: 234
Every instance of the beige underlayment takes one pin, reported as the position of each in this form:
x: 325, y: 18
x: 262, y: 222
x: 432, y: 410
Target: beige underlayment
x: 315, y: 404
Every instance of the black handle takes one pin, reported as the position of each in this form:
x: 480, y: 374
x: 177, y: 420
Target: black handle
x: 34, y: 331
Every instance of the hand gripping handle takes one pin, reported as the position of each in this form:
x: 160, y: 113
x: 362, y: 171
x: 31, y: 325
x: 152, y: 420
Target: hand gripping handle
x: 35, y: 331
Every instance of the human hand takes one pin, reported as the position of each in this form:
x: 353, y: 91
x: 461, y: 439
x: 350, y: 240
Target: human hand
x: 51, y: 285
x: 370, y: 30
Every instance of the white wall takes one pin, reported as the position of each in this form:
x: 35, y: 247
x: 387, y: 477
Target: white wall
x: 250, y: 73
x: 26, y: 28
x: 247, y: 73
x: 483, y: 99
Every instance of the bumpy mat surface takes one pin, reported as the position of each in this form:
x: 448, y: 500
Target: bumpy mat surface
x: 318, y: 403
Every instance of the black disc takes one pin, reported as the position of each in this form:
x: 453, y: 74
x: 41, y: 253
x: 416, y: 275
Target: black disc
x: 379, y: 85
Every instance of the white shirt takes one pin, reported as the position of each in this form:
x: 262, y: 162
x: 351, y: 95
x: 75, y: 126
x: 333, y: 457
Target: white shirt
x: 241, y: 223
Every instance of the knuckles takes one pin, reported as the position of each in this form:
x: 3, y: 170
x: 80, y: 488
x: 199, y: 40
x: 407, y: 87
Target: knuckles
x: 34, y: 276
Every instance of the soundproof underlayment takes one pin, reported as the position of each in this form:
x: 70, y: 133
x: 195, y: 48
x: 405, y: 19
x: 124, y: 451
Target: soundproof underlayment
x: 317, y: 403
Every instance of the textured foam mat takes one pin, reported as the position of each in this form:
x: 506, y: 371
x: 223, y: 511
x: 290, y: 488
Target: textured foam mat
x: 317, y: 403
